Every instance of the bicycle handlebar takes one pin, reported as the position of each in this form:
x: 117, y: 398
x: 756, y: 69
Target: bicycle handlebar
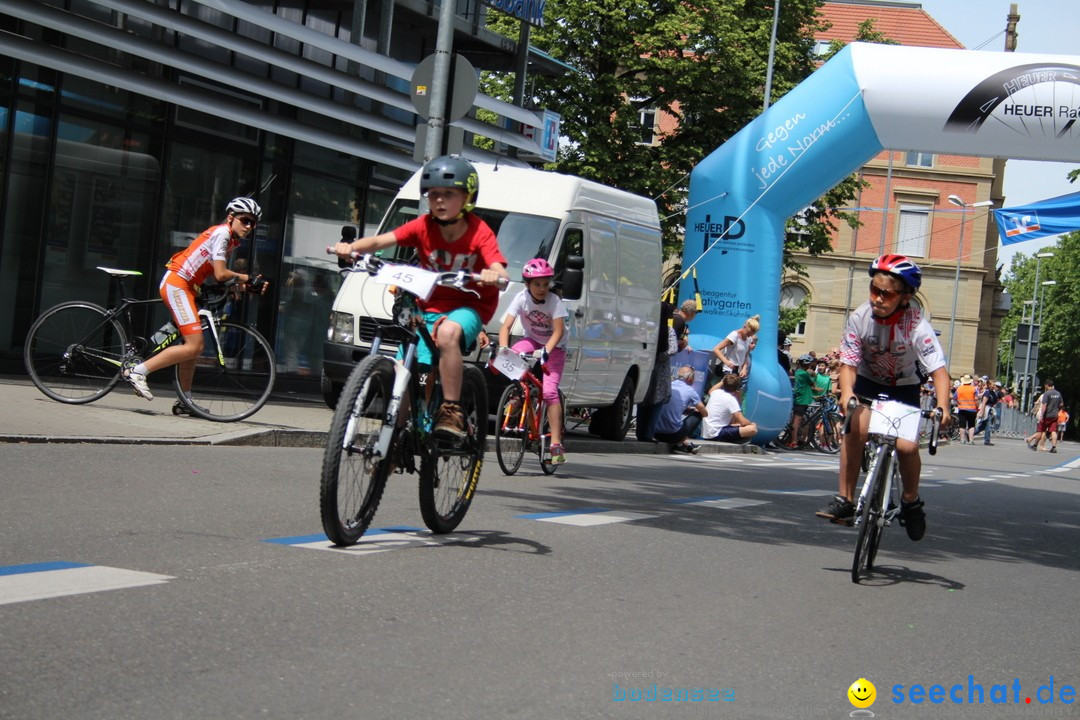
x: 934, y: 415
x: 369, y: 263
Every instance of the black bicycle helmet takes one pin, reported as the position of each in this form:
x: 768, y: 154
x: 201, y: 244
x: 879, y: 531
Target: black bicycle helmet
x: 453, y: 172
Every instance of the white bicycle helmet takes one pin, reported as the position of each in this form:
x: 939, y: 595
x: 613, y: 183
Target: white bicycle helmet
x: 244, y: 205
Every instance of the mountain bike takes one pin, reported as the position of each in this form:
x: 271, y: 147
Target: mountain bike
x: 878, y: 503
x: 76, y: 350
x: 385, y: 415
x: 825, y: 424
x: 521, y: 421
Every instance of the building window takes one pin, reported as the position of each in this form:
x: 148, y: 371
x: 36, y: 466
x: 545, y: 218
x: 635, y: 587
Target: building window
x: 647, y: 123
x: 913, y: 228
x: 791, y: 297
x: 920, y: 159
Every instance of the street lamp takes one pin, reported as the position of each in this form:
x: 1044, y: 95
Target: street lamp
x: 1042, y: 294
x: 1031, y: 330
x: 955, y: 200
x: 772, y: 55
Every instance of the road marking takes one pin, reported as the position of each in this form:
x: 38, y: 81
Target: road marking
x: 584, y: 517
x: 808, y: 493
x: 983, y: 479
x: 723, y: 503
x: 954, y: 482
x: 37, y: 581
x: 377, y: 540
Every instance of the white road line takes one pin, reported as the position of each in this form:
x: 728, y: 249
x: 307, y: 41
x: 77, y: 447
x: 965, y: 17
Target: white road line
x: 24, y: 587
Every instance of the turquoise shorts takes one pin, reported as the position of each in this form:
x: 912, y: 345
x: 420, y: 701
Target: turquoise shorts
x: 467, y: 318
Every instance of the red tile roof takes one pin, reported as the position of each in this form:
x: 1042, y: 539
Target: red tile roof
x: 905, y: 22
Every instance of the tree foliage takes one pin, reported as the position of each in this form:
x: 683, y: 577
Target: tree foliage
x: 702, y: 63
x: 1058, y: 358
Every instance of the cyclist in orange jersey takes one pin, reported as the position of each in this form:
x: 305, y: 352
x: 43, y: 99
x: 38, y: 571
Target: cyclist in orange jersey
x: 187, y: 269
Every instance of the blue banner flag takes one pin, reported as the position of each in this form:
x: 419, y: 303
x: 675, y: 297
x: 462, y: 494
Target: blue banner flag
x: 1046, y: 217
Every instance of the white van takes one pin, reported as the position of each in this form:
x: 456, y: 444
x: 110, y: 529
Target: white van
x: 613, y: 322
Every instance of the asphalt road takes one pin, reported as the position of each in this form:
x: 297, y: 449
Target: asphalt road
x: 705, y: 572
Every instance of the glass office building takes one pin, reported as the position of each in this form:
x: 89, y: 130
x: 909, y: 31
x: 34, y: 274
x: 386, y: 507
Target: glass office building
x: 126, y: 126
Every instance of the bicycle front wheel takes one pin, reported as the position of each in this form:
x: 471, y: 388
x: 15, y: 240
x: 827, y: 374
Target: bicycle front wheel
x: 448, y: 475
x: 869, y: 529
x: 233, y: 376
x: 544, y: 439
x: 74, y: 352
x: 353, y: 478
x: 510, y: 431
x: 829, y: 433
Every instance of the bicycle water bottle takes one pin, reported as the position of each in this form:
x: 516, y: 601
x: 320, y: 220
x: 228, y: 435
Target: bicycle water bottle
x: 164, y: 333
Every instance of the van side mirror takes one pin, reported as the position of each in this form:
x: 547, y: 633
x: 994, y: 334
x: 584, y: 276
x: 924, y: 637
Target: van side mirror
x: 573, y: 277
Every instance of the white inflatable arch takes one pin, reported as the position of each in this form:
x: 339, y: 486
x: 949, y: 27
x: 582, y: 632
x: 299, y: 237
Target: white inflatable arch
x: 866, y: 99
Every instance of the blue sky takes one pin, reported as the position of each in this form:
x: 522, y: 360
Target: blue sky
x: 1046, y: 26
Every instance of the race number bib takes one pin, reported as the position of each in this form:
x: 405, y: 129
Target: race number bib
x: 414, y: 280
x: 509, y: 363
x: 895, y: 419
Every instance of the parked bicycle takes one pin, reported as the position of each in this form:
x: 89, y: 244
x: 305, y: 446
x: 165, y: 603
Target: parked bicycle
x: 75, y: 351
x: 521, y: 421
x: 820, y: 429
x: 384, y: 419
x: 878, y: 503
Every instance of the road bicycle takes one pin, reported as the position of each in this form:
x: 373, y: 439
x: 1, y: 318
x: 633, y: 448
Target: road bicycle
x: 878, y: 503
x: 521, y: 420
x: 75, y: 352
x: 385, y: 415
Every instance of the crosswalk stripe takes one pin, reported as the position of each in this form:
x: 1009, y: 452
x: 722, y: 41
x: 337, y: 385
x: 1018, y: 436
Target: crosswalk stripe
x: 38, y: 581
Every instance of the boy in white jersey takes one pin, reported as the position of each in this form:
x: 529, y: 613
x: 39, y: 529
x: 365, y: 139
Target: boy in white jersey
x: 543, y: 316
x: 884, y: 340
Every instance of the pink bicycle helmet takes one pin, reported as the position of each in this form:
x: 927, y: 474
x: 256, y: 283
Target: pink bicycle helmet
x: 537, y: 268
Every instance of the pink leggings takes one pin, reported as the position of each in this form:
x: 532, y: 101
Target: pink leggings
x: 556, y: 362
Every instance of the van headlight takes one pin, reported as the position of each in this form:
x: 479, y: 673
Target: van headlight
x: 341, y: 328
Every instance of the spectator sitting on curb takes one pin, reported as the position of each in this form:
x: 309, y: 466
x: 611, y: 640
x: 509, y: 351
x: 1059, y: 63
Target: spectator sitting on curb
x: 724, y: 420
x: 680, y: 416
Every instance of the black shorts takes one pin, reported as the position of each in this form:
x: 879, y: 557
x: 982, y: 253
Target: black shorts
x: 967, y: 418
x: 907, y: 394
x: 799, y: 410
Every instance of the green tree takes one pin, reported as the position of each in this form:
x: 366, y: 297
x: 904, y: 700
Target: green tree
x: 703, y: 64
x: 1060, y: 331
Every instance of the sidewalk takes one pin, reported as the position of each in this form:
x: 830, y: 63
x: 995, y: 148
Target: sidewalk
x: 286, y: 421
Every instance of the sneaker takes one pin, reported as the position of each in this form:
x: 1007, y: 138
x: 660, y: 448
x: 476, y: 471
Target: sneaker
x: 688, y: 448
x: 913, y: 519
x: 840, y: 510
x: 138, y: 383
x: 450, y: 421
x: 1032, y: 448
x: 180, y: 408
x: 1053, y: 449
x: 558, y: 455
x: 989, y: 443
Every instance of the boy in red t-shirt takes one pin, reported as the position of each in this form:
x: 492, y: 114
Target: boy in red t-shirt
x: 448, y: 238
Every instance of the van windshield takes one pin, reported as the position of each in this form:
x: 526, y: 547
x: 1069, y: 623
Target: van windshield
x: 521, y: 237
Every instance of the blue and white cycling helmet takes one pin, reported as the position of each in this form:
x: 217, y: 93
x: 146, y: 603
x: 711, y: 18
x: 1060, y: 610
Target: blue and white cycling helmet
x: 900, y: 266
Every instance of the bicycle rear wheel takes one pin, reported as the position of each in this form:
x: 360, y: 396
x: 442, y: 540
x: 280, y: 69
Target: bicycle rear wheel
x: 869, y: 529
x: 510, y: 432
x: 74, y: 352
x: 448, y: 474
x: 233, y: 376
x: 543, y: 441
x: 353, y: 479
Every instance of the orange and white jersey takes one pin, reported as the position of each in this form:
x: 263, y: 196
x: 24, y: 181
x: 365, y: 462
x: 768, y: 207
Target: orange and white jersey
x: 196, y: 262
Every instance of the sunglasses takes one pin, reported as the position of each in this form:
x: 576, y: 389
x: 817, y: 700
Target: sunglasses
x: 883, y: 293
x: 246, y: 221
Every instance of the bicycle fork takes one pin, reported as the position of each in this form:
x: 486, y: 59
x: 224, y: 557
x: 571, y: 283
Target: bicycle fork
x: 887, y: 456
x: 402, y: 375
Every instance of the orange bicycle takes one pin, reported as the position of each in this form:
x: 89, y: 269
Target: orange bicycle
x: 521, y: 423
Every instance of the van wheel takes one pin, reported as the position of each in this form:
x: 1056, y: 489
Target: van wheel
x: 613, y: 422
x: 331, y: 391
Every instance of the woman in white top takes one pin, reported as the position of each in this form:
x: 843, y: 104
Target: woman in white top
x: 734, y: 350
